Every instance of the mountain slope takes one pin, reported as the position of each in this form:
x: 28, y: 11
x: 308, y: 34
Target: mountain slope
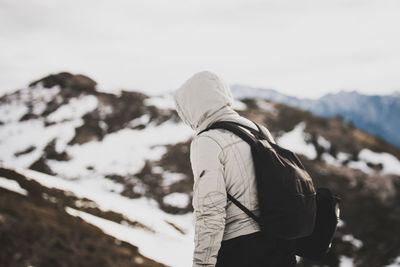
x: 36, y: 231
x: 377, y: 115
x: 122, y: 162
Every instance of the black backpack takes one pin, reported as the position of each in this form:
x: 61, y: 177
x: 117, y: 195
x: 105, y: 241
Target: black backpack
x: 316, y: 246
x: 286, y: 194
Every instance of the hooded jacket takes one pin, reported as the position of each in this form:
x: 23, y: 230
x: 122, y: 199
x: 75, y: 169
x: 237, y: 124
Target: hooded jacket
x: 221, y: 163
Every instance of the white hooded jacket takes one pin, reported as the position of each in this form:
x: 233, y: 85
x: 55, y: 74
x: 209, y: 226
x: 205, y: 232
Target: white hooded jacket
x: 221, y: 163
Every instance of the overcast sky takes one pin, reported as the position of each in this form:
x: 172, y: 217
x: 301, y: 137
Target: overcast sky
x: 302, y: 48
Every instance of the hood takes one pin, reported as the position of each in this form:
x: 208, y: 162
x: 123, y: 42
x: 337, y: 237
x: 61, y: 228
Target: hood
x: 204, y: 99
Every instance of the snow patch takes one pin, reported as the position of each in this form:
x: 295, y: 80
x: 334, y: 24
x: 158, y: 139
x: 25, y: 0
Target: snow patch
x: 19, y: 136
x: 16, y: 105
x: 161, y: 102
x: 357, y: 243
x: 323, y: 142
x: 12, y: 185
x: 75, y: 108
x: 266, y: 106
x: 239, y: 105
x: 39, y: 94
x: 11, y: 112
x: 142, y: 210
x: 328, y: 158
x: 346, y: 261
x: 122, y: 152
x: 165, y: 244
x: 360, y: 165
x: 174, y: 252
x: 142, y: 120
x: 295, y: 141
x: 391, y: 165
x: 170, y: 178
x: 395, y: 263
x: 341, y: 157
x: 176, y: 199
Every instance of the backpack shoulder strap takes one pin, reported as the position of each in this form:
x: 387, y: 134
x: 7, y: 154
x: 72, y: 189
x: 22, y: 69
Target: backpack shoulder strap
x: 243, y: 208
x: 258, y: 134
x: 235, y: 129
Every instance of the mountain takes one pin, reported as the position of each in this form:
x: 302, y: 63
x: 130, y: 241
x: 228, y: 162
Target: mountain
x: 82, y: 170
x: 375, y: 114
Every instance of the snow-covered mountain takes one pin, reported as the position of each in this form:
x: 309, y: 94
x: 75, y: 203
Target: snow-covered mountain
x: 376, y: 114
x: 120, y: 163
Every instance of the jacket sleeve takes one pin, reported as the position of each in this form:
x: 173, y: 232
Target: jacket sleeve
x: 209, y: 200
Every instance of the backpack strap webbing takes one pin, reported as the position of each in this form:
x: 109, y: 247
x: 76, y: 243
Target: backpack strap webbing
x: 243, y: 208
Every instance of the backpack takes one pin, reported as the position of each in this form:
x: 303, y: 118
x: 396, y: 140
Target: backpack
x: 286, y: 194
x: 316, y: 246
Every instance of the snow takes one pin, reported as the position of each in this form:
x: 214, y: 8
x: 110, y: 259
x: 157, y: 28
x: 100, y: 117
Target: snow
x: 239, y: 105
x: 40, y: 94
x: 170, y: 178
x: 266, y: 106
x: 17, y: 104
x: 161, y: 102
x: 395, y: 263
x: 346, y: 261
x: 19, y: 136
x: 112, y: 186
x: 323, y: 142
x: 75, y: 108
x: 171, y: 251
x: 11, y: 112
x: 105, y: 110
x: 341, y: 156
x: 328, y: 158
x: 338, y: 161
x: 176, y: 199
x: 360, y: 165
x: 12, y: 185
x: 295, y: 141
x: 354, y: 241
x: 391, y: 165
x: 123, y: 152
x: 143, y: 210
x: 142, y: 120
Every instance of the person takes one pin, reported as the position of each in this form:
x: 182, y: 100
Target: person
x: 222, y: 162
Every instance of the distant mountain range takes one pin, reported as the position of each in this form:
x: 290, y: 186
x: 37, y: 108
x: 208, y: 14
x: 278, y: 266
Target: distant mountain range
x: 376, y: 114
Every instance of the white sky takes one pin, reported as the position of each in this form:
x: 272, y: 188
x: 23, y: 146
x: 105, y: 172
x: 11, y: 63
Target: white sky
x: 302, y: 48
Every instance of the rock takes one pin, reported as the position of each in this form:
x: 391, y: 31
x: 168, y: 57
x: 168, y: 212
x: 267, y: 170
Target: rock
x: 76, y: 82
x: 51, y: 152
x: 41, y: 166
x: 25, y: 151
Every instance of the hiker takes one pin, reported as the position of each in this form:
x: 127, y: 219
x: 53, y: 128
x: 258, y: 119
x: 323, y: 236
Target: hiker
x: 222, y: 163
